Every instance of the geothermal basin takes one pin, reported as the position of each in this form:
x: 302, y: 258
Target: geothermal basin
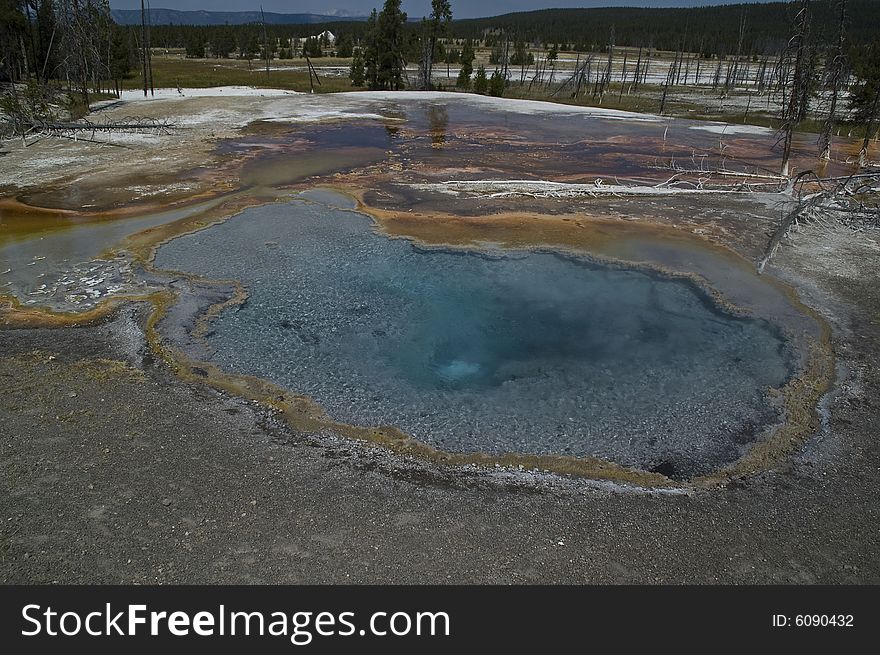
x: 512, y: 282
x: 487, y: 350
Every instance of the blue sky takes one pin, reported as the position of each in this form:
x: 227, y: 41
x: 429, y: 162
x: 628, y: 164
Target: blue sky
x: 415, y: 8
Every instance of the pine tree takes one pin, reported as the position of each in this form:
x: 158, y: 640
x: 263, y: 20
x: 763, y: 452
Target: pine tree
x: 521, y: 55
x: 248, y: 45
x: 121, y: 56
x: 391, y: 64
x: 223, y: 43
x: 371, y: 52
x: 467, y: 65
x: 344, y: 46
x: 357, y: 74
x: 497, y: 84
x: 384, y: 52
x: 195, y: 46
x: 481, y: 84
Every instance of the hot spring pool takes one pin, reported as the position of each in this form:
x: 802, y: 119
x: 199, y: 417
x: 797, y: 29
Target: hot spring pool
x: 496, y: 351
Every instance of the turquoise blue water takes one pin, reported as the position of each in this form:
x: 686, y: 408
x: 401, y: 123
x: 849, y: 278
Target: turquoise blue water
x: 530, y: 352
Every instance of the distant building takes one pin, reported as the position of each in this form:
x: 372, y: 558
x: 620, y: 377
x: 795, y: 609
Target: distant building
x: 326, y: 37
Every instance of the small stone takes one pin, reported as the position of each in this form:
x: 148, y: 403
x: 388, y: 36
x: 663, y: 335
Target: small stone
x: 166, y: 502
x: 72, y: 394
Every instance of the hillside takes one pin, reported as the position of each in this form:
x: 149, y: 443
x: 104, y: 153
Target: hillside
x: 713, y: 29
x: 175, y: 17
x: 716, y: 28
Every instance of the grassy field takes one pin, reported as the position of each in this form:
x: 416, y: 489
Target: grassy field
x: 646, y: 101
x: 174, y: 70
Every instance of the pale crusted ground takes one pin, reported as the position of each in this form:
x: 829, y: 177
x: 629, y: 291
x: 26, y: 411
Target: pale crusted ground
x: 198, y: 120
x: 201, y: 117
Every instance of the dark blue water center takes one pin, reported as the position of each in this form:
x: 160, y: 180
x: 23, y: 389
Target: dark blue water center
x: 529, y: 352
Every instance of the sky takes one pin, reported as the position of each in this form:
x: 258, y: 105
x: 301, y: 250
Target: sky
x: 414, y: 8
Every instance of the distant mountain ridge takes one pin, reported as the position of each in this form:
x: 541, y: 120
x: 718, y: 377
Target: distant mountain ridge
x: 201, y: 17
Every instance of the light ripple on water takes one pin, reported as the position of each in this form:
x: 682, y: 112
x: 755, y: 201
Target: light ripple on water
x: 534, y: 352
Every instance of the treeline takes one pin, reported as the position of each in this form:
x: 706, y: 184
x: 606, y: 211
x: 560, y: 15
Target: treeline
x: 222, y: 36
x: 253, y: 41
x: 711, y: 30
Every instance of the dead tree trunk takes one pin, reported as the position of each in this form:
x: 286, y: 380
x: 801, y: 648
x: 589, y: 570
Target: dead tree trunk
x: 149, y: 46
x: 635, y: 83
x: 869, y: 130
x: 797, y: 51
x: 835, y: 80
x: 265, y: 40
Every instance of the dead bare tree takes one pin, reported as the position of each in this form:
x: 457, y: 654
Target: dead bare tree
x: 733, y: 66
x: 576, y: 79
x: 864, y: 99
x: 636, y: 76
x: 146, y: 58
x: 834, y: 80
x: 670, y: 77
x: 313, y: 74
x: 266, y: 53
x: 149, y: 46
x: 606, y: 77
x: 32, y: 128
x: 798, y: 57
x: 852, y: 201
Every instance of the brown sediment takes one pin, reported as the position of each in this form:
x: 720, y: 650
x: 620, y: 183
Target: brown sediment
x: 597, y: 235
x: 592, y: 233
x: 20, y: 219
x: 14, y: 315
x: 143, y: 245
